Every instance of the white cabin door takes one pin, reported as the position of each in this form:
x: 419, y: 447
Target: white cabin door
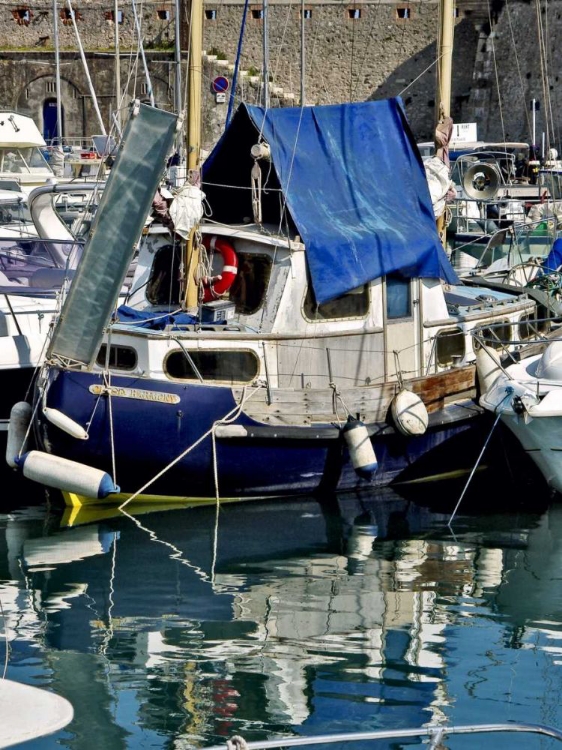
x: 402, y: 311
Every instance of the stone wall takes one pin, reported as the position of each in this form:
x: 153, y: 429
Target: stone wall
x: 353, y: 51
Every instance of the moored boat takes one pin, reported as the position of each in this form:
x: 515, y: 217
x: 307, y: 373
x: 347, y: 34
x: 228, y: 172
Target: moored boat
x: 335, y: 311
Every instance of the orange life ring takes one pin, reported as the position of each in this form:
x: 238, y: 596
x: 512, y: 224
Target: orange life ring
x: 216, y: 286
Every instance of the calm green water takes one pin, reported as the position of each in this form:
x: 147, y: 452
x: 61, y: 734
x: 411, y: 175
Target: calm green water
x: 178, y: 629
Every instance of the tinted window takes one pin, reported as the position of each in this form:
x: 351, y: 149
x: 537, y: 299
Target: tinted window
x: 354, y: 304
x: 398, y: 297
x: 120, y: 357
x: 163, y: 286
x: 250, y: 285
x: 222, y: 366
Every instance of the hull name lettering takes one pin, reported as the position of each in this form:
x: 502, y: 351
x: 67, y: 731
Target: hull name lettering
x: 136, y: 393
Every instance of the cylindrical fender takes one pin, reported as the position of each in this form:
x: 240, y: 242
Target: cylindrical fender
x: 216, y: 286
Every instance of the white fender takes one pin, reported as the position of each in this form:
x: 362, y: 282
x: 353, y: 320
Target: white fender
x: 64, y: 423
x: 20, y: 418
x: 409, y: 413
x: 361, y: 451
x: 65, y: 475
x: 487, y: 367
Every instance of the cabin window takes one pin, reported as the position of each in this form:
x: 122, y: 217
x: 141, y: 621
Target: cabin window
x: 528, y: 327
x: 449, y: 346
x: 250, y: 285
x: 163, y: 287
x: 120, y: 357
x: 398, y: 297
x: 353, y: 304
x: 495, y: 336
x: 221, y: 366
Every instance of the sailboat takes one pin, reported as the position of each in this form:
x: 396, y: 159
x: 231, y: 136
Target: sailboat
x: 310, y: 336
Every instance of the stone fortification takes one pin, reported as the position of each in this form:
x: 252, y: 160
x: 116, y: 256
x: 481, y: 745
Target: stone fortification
x: 353, y: 51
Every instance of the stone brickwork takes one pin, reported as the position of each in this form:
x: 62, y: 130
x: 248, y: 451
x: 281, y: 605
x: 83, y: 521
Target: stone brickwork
x: 353, y: 51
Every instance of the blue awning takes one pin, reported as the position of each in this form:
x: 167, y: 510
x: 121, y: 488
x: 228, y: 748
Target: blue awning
x: 353, y: 184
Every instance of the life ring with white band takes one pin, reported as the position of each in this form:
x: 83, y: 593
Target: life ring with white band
x: 216, y: 286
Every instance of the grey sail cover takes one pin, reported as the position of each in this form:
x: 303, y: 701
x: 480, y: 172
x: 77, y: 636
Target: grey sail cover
x: 119, y: 221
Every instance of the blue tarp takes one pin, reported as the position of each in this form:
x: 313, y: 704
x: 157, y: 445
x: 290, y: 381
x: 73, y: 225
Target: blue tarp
x: 354, y: 186
x: 153, y: 321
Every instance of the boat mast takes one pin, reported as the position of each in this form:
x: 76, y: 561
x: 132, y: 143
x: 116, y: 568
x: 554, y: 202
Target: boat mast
x: 445, y: 62
x: 117, y: 65
x: 194, y: 140
x: 444, y: 77
x: 60, y: 134
x: 177, y: 59
x: 265, y: 50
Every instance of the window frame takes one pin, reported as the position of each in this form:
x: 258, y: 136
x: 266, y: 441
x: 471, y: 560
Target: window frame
x: 208, y: 381
x: 309, y: 287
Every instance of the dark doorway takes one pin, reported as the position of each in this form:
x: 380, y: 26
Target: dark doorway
x: 50, y: 119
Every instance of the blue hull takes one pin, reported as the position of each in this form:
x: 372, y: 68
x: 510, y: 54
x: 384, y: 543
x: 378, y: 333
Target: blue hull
x: 148, y: 435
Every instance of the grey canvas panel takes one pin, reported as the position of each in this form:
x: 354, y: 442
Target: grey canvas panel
x: 119, y: 221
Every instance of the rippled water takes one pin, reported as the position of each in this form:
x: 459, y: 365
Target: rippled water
x: 180, y: 628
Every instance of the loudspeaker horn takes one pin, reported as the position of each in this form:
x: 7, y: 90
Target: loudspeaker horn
x: 481, y: 181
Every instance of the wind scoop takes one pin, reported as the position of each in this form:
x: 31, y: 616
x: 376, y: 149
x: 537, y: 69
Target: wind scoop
x: 118, y: 223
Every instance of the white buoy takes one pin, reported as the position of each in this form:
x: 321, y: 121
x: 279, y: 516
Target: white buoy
x: 409, y: 413
x: 361, y: 451
x: 488, y: 368
x: 66, y: 424
x: 20, y: 417
x: 69, y: 476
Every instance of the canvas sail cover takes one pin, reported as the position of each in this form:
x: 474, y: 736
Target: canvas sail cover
x: 124, y: 206
x: 354, y: 186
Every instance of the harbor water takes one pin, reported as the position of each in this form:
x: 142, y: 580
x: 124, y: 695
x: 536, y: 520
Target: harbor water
x: 180, y: 628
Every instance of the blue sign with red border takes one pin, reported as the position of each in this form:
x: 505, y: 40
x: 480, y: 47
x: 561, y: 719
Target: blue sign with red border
x: 220, y: 85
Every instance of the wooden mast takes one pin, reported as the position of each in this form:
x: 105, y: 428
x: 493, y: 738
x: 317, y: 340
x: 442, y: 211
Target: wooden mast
x: 194, y: 140
x: 444, y: 77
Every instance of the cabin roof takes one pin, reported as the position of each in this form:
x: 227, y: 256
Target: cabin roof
x: 348, y: 177
x: 19, y: 131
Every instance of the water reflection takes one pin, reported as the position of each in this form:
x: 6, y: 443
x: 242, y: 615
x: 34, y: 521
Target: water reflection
x: 181, y: 628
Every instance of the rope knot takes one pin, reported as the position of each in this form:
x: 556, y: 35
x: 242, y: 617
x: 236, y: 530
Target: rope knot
x: 236, y: 743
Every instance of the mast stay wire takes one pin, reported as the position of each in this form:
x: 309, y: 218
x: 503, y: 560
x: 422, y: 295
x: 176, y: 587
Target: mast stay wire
x: 491, y: 38
x: 520, y: 75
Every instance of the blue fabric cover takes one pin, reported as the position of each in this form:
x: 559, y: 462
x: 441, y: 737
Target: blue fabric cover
x: 355, y: 188
x: 153, y: 320
x: 554, y: 258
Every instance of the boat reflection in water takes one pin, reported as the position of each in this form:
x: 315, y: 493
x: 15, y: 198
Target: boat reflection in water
x: 184, y: 627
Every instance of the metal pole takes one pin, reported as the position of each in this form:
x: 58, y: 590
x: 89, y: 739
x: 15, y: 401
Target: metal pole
x: 445, y: 65
x: 534, y: 108
x: 195, y: 78
x: 60, y: 133
x: 302, y: 54
x: 86, y: 71
x: 265, y: 44
x: 117, y: 65
x: 177, y: 60
x: 143, y: 56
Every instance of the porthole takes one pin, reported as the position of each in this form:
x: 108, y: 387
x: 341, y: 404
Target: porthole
x: 450, y: 347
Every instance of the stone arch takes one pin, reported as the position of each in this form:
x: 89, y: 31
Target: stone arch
x: 32, y: 97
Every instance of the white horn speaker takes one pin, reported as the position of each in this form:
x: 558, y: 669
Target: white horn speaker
x: 481, y: 181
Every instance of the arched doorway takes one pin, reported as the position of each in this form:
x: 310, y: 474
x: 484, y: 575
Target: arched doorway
x: 50, y: 119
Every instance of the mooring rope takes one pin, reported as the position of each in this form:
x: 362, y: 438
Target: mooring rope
x: 231, y: 415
